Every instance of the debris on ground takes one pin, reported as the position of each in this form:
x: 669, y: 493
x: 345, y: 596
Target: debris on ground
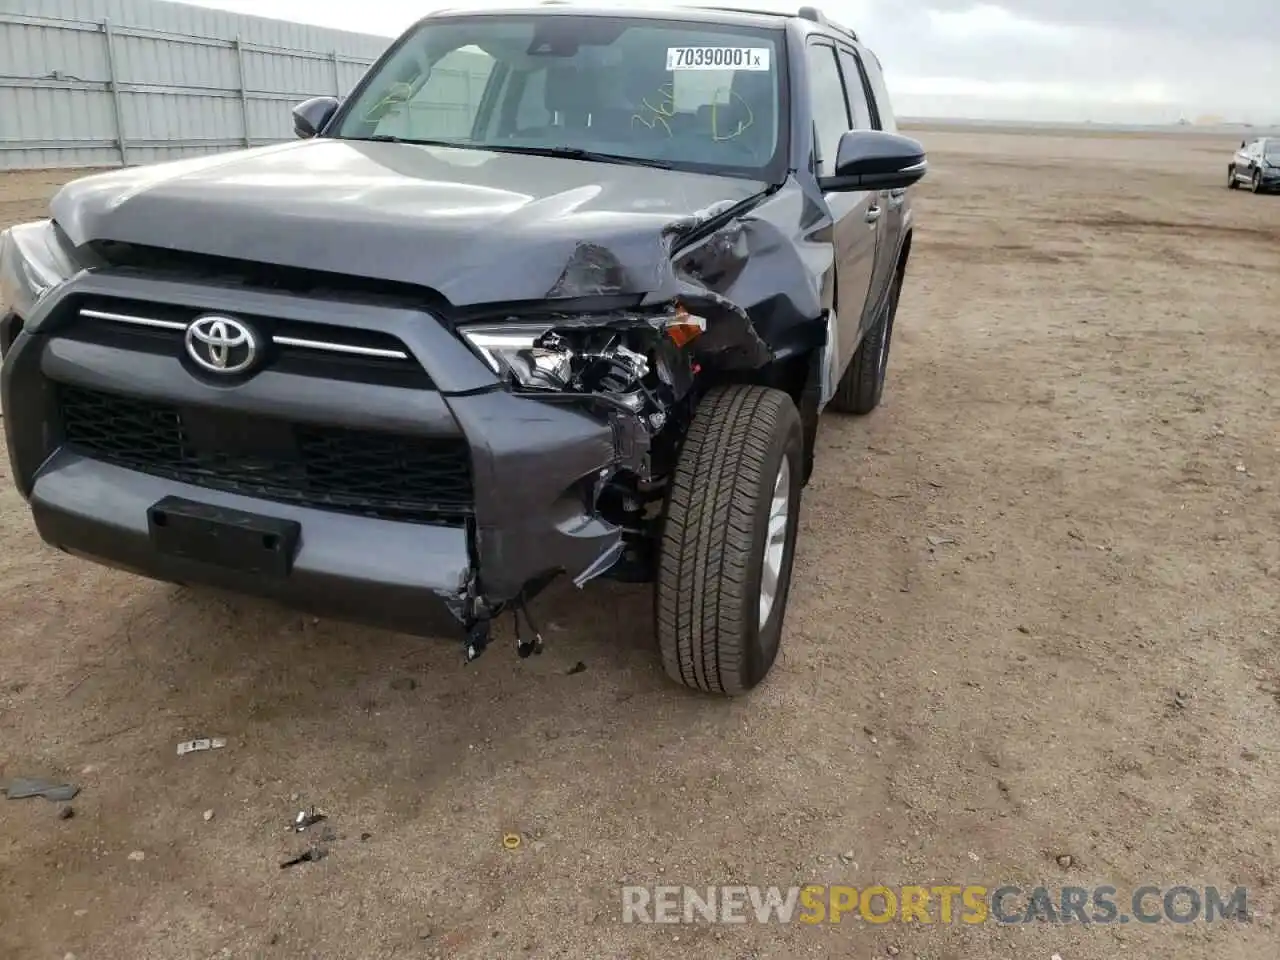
x: 938, y: 541
x: 137, y: 856
x: 1065, y: 860
x: 511, y: 841
x: 204, y: 743
x: 1181, y: 699
x: 311, y: 855
x: 20, y: 788
x: 305, y: 819
x: 66, y: 812
x: 578, y: 667
x: 208, y: 815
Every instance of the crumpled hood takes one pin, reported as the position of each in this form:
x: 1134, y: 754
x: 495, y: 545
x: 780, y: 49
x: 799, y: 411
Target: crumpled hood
x: 476, y: 227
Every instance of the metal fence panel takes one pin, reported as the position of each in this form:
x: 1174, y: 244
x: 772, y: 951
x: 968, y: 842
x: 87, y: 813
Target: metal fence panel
x: 110, y: 82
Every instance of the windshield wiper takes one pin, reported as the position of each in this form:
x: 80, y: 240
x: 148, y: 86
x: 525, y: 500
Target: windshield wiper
x: 388, y: 138
x: 570, y: 153
x: 577, y: 153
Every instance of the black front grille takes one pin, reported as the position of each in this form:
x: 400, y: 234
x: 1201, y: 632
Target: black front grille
x: 393, y: 477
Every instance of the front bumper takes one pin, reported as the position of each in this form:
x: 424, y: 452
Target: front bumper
x: 534, y: 467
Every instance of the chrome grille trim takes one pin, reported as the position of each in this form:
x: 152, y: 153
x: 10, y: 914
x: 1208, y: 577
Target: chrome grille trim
x: 341, y: 348
x: 298, y: 342
x: 130, y: 319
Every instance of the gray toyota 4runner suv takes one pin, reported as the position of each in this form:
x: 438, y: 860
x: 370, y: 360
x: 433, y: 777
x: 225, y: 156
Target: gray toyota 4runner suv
x: 555, y: 290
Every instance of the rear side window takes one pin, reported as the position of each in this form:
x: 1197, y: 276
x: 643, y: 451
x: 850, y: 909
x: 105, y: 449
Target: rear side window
x: 830, y: 113
x: 855, y: 91
x: 883, y: 106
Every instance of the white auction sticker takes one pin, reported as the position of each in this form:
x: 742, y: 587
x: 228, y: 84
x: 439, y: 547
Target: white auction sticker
x: 717, y: 58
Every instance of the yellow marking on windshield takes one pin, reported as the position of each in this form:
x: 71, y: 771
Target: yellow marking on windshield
x: 660, y: 114
x: 397, y: 94
x: 743, y: 125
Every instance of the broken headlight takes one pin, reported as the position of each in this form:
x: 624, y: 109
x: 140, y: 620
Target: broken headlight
x: 33, y: 262
x: 513, y: 350
x: 607, y: 354
x: 633, y: 362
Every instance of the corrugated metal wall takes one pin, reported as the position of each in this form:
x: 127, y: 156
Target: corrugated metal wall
x: 101, y: 82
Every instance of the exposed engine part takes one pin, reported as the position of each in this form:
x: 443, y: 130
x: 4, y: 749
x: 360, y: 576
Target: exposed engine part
x: 636, y: 370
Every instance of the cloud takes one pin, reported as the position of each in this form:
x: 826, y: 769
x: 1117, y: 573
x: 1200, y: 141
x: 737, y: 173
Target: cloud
x: 1124, y: 60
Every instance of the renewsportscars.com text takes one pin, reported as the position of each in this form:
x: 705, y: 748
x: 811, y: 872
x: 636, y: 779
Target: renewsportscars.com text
x: 935, y: 904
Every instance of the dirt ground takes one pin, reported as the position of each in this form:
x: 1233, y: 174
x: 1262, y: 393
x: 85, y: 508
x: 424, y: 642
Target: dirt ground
x: 1083, y: 413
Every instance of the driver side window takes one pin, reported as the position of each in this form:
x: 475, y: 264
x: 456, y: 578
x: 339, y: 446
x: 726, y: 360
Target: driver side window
x: 444, y: 106
x: 827, y: 102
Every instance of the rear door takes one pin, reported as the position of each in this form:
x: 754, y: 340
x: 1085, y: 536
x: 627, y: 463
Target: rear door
x: 855, y: 213
x: 869, y: 103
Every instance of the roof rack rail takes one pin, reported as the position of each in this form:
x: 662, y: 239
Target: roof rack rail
x: 727, y: 9
x: 812, y: 14
x: 817, y: 16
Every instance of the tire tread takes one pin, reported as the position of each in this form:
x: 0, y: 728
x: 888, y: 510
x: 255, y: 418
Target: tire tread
x: 707, y: 535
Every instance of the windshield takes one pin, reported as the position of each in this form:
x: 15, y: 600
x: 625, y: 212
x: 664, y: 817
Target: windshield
x: 699, y: 96
x: 1271, y: 149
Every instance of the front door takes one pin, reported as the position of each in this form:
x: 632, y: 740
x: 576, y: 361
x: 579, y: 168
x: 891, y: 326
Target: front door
x: 855, y: 214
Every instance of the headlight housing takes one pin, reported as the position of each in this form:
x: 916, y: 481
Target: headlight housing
x: 551, y: 355
x: 33, y: 262
x: 511, y: 350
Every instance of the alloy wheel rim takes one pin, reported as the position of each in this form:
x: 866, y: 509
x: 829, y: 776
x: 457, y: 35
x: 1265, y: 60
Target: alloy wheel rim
x: 775, y: 544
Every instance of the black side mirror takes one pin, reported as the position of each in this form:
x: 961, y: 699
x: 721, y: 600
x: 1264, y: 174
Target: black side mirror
x: 310, y: 116
x: 875, y: 160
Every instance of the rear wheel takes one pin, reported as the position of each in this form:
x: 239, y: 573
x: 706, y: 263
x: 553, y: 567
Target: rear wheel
x: 1256, y: 183
x: 728, y: 540
x: 862, y: 385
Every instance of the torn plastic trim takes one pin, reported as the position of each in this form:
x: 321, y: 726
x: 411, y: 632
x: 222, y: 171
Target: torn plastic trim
x: 830, y: 363
x: 731, y: 340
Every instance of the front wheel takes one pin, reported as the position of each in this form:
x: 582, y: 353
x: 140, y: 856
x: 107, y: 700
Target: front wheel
x: 728, y: 540
x: 1232, y: 182
x: 1256, y: 183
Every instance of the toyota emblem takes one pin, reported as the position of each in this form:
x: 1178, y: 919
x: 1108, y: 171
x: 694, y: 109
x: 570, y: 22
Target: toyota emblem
x: 222, y: 344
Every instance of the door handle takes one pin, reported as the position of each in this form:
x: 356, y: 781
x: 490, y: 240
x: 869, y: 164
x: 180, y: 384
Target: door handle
x: 896, y: 197
x: 873, y: 213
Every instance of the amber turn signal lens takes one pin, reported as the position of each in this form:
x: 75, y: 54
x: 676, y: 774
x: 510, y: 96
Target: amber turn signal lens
x: 682, y: 333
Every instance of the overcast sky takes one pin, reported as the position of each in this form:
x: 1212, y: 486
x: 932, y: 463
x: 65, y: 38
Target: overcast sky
x: 1103, y: 60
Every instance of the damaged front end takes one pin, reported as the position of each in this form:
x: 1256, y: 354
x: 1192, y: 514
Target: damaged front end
x: 624, y: 386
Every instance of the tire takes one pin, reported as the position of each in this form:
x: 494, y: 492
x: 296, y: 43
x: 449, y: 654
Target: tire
x: 860, y: 389
x: 1256, y: 183
x: 743, y: 442
x: 1232, y: 182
